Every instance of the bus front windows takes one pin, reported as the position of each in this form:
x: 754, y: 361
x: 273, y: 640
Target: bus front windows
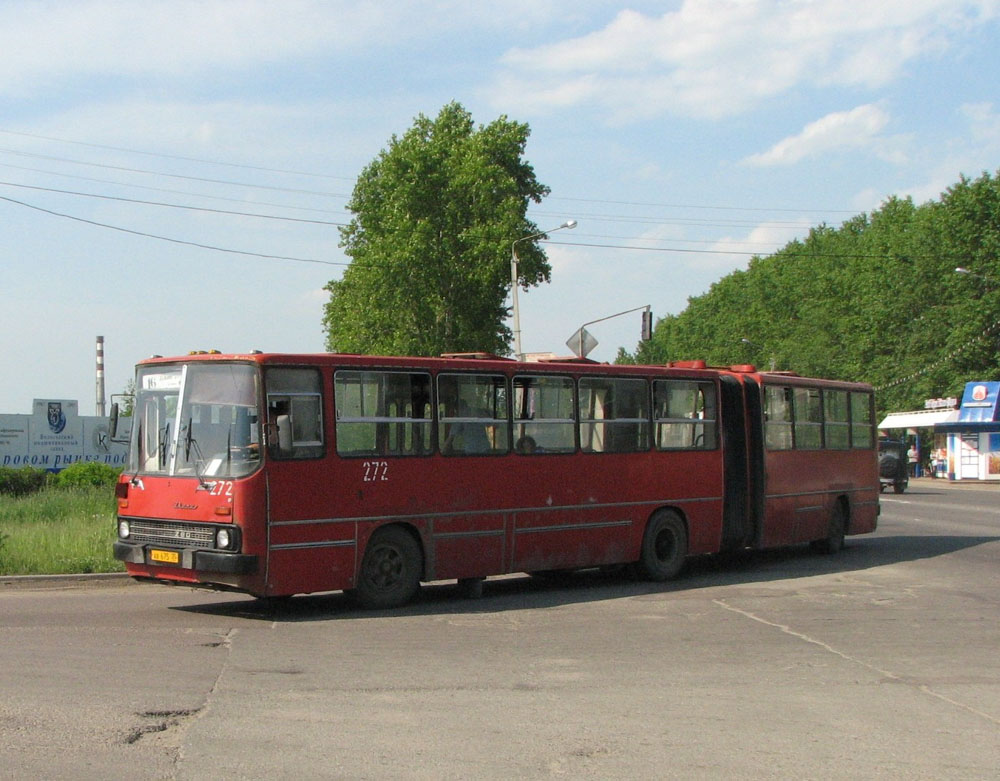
x: 197, y: 420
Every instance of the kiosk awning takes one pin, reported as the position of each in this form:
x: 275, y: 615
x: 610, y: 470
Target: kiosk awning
x: 922, y: 418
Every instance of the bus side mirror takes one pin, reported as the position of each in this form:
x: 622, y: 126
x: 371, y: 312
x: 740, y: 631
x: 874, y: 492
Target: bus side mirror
x: 115, y: 415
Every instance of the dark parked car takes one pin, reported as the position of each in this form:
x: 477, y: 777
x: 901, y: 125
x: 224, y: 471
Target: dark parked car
x: 892, y: 465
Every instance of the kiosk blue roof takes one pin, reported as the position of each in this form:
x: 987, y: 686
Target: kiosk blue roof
x: 979, y: 409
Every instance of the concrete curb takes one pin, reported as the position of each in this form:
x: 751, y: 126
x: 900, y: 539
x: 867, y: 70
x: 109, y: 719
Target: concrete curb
x: 14, y: 581
x: 939, y: 482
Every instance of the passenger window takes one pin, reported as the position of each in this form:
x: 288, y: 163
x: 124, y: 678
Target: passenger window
x: 383, y: 413
x: 862, y: 421
x: 473, y: 414
x: 294, y: 412
x: 808, y: 418
x: 544, y: 415
x: 837, y: 419
x: 685, y: 415
x: 778, y: 418
x: 614, y: 415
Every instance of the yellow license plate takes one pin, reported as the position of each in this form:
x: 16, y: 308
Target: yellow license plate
x: 165, y: 556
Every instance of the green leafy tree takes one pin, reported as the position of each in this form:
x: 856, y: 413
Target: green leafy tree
x: 435, y: 215
x: 876, y: 299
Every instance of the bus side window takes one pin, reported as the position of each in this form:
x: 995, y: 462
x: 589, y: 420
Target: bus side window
x: 472, y: 414
x: 685, y: 415
x: 836, y: 419
x: 614, y: 415
x: 383, y: 413
x: 808, y: 410
x: 778, y: 418
x: 862, y: 421
x: 544, y: 419
x: 294, y: 412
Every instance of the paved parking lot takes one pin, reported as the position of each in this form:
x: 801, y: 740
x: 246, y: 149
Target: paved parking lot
x: 878, y: 663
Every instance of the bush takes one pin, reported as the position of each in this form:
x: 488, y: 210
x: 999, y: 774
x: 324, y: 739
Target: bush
x: 22, y: 481
x: 58, y: 531
x: 87, y: 473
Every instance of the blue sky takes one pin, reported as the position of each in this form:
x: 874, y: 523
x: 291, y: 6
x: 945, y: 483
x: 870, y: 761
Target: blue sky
x: 682, y: 136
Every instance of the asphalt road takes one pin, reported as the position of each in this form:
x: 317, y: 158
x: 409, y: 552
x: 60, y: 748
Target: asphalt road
x: 880, y: 662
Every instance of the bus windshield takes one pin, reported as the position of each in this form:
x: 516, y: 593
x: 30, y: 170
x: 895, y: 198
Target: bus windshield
x: 196, y: 419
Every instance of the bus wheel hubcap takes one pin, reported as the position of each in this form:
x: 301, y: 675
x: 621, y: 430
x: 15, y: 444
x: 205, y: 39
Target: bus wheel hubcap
x: 387, y: 568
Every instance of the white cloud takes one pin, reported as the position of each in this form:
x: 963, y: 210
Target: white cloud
x: 49, y: 43
x: 717, y: 58
x: 984, y: 123
x: 962, y: 154
x: 733, y: 253
x: 175, y: 37
x: 858, y: 128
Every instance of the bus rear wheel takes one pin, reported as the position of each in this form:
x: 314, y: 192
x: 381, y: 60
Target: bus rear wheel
x: 390, y: 570
x: 834, y: 540
x: 664, y: 547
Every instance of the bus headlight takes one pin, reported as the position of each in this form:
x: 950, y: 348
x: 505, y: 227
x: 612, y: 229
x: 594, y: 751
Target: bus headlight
x: 123, y: 530
x: 223, y: 539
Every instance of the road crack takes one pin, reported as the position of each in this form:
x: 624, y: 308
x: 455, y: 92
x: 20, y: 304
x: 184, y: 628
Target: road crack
x: 895, y: 678
x: 163, y: 720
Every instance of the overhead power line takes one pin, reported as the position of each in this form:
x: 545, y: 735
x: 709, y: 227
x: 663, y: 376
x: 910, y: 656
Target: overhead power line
x: 684, y: 250
x: 149, y: 188
x: 312, y: 174
x: 203, y: 179
x: 230, y: 212
x: 714, y: 207
x: 171, y: 239
x: 176, y: 157
x: 174, y: 205
x: 784, y: 254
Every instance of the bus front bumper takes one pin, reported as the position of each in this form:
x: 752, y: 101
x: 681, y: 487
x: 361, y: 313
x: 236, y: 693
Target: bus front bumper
x: 198, y: 560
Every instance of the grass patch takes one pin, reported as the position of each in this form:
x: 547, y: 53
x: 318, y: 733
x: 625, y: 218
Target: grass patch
x: 58, y: 531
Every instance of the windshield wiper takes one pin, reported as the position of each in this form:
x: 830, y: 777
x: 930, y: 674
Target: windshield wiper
x: 189, y: 443
x: 163, y: 436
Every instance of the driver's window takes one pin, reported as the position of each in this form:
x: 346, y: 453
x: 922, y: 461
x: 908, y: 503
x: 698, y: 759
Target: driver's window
x: 294, y: 412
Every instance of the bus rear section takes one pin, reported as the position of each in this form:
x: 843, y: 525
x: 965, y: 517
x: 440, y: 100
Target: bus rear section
x: 818, y: 459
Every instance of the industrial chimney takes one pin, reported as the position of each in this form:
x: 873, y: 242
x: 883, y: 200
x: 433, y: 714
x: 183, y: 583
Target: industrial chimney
x: 100, y: 376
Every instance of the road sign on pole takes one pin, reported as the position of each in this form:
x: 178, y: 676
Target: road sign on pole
x: 581, y: 343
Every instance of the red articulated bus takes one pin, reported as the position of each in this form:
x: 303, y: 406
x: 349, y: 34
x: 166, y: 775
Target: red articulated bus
x: 279, y: 474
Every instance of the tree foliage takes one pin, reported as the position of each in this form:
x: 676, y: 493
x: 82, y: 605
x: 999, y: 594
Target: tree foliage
x: 435, y: 215
x: 876, y: 300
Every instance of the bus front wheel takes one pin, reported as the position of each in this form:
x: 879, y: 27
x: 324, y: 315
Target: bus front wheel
x: 664, y: 547
x: 390, y: 570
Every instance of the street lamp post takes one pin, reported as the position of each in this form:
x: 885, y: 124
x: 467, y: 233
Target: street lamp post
x: 761, y: 348
x: 515, y: 312
x: 968, y: 273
